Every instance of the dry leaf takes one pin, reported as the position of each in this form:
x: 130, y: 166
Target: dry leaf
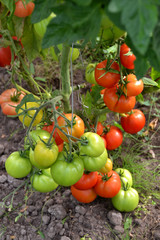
x: 153, y: 123
x: 152, y: 153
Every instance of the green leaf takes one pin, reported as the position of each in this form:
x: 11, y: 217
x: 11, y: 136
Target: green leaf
x: 149, y: 82
x: 18, y: 26
x: 10, y: 4
x: 41, y: 234
x: 156, y: 38
x: 83, y: 2
x: 27, y: 98
x: 139, y: 19
x: 40, y: 79
x: 87, y: 103
x: 96, y: 93
x: 72, y: 23
x: 154, y: 74
x: 30, y: 41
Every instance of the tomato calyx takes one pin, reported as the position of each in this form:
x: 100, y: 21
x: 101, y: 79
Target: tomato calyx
x: 125, y: 186
x: 105, y: 177
x: 15, y: 96
x: 84, y: 141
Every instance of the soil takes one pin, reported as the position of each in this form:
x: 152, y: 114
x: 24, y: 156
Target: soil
x: 29, y: 215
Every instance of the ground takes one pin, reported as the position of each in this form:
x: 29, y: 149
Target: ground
x: 57, y: 215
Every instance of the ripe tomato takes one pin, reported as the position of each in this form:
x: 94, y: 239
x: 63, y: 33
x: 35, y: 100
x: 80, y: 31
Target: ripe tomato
x: 99, y: 129
x: 120, y: 104
x: 9, y: 99
x: 94, y: 163
x: 114, y: 138
x: 84, y: 196
x: 89, y: 73
x: 45, y: 155
x: 105, y: 78
x: 108, y: 185
x: 23, y: 10
x: 127, y: 57
x: 60, y: 147
x: 126, y: 200
x: 134, y: 122
x: 105, y: 142
x: 107, y: 167
x: 88, y: 180
x: 94, y: 145
x: 27, y: 115
x: 133, y: 86
x: 67, y: 169
x: 77, y: 128
x: 42, y: 181
x: 17, y: 166
x: 56, y: 136
x: 125, y: 175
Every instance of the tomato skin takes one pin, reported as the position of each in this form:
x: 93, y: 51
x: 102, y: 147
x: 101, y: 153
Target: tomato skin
x: 43, y: 181
x: 127, y: 60
x: 134, y: 87
x: 109, y: 79
x: 83, y: 196
x: 107, y: 167
x: 77, y: 129
x: 60, y: 147
x: 88, y: 180
x: 95, y: 163
x: 5, y: 56
x: 17, y: 166
x: 26, y: 120
x: 67, y: 173
x: 6, y: 99
x: 89, y: 73
x: 110, y: 187
x: 95, y: 146
x: 114, y: 138
x: 126, y: 201
x: 134, y: 122
x: 45, y: 156
x: 105, y: 142
x: 38, y: 134
x: 56, y: 136
x: 23, y: 10
x: 121, y: 105
x: 125, y: 176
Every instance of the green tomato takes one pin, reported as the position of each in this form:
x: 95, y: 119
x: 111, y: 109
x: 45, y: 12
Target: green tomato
x: 95, y: 163
x: 126, y: 200
x: 125, y: 176
x: 65, y: 171
x: 41, y: 26
x: 89, y: 73
x: 43, y: 181
x: 36, y: 135
x: 17, y: 166
x: 31, y: 158
x: 94, y: 146
x: 45, y: 155
x: 109, y: 31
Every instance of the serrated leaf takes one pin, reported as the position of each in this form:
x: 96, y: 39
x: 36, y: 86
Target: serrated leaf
x: 149, y: 82
x: 10, y: 4
x: 154, y: 74
x: 87, y: 103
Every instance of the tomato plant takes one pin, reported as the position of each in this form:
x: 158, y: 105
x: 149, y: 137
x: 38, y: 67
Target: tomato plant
x: 133, y: 122
x: 56, y: 136
x: 9, y: 99
x: 77, y: 129
x: 67, y: 169
x: 132, y: 87
x: 118, y: 104
x: 17, y: 165
x: 27, y: 112
x: 84, y: 196
x: 89, y: 73
x: 88, y: 180
x: 108, y: 185
x: 126, y: 200
x: 107, y: 78
x: 45, y: 155
x: 127, y: 57
x: 107, y: 167
x: 42, y: 181
x: 114, y: 138
x: 23, y: 10
x: 125, y: 176
x: 93, y: 145
x: 38, y: 134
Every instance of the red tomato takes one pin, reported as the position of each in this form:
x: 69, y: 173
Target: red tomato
x: 102, y: 91
x: 56, y: 136
x: 23, y: 10
x: 104, y: 140
x: 127, y: 57
x: 88, y: 180
x: 108, y: 185
x: 8, y: 99
x: 104, y: 78
x: 133, y: 86
x: 60, y: 147
x: 100, y: 128
x: 134, y: 122
x: 114, y: 138
x: 120, y: 104
x: 77, y: 128
x: 84, y: 196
